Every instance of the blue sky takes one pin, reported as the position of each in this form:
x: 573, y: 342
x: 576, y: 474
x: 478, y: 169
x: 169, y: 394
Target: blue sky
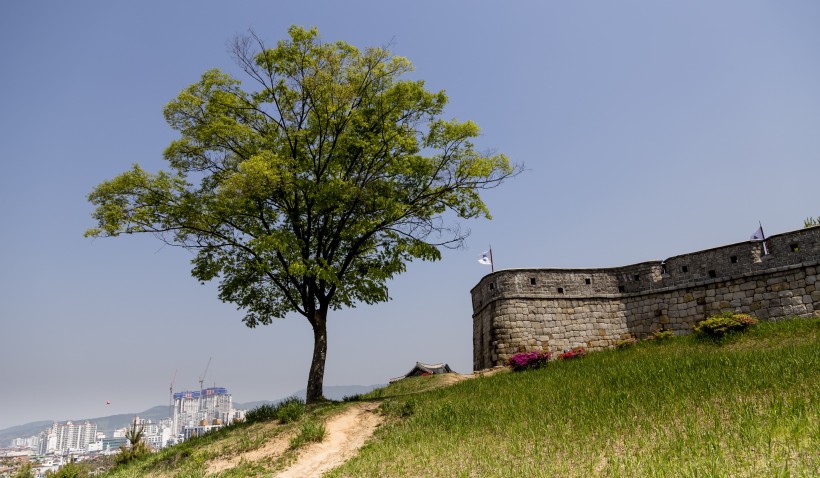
x: 648, y: 129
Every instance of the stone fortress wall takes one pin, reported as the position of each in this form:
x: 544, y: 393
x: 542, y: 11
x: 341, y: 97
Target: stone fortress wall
x: 556, y: 309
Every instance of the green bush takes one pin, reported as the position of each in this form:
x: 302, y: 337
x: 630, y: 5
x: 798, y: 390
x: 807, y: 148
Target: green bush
x: 663, y: 334
x: 136, y: 447
x: 132, y: 453
x: 25, y: 471
x: 719, y: 325
x: 262, y: 413
x: 290, y: 410
x: 69, y: 470
x: 310, y: 431
x: 286, y: 411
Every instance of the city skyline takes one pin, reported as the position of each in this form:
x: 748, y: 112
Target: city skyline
x: 647, y: 131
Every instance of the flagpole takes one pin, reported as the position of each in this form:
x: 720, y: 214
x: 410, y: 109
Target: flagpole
x: 765, y: 249
x: 492, y: 264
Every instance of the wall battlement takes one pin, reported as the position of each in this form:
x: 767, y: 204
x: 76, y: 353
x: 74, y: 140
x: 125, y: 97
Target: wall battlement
x: 555, y: 309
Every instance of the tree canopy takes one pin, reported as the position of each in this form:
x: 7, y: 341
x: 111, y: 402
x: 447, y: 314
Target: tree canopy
x: 308, y: 192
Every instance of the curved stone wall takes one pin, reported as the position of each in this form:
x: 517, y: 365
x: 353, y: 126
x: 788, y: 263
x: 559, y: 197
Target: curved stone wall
x: 555, y: 309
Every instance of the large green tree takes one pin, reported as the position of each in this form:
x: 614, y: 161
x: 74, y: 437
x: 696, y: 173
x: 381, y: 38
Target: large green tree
x: 309, y: 191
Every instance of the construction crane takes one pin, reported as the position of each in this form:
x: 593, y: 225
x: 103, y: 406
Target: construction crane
x: 171, y: 393
x: 171, y: 402
x: 201, y: 380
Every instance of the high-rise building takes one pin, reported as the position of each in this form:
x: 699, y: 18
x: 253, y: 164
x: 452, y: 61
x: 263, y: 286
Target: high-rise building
x: 32, y: 442
x: 66, y: 437
x: 211, y: 406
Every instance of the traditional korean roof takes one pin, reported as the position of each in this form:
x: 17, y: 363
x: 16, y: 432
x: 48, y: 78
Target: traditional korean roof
x: 425, y: 369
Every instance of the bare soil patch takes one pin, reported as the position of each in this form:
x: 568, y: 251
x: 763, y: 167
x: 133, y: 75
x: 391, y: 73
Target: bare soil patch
x: 273, y: 448
x: 345, y: 434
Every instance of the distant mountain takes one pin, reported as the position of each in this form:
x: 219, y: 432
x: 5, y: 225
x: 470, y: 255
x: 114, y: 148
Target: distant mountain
x: 338, y: 392
x: 106, y: 425
x: 22, y: 431
x: 110, y: 423
x: 332, y: 392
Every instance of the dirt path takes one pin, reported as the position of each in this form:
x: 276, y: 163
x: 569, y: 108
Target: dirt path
x: 346, y: 433
x: 274, y: 447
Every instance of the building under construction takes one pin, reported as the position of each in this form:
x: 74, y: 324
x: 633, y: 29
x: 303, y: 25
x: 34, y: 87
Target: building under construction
x: 201, y: 410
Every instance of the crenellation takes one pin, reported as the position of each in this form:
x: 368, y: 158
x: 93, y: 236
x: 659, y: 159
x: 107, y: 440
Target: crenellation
x: 556, y: 309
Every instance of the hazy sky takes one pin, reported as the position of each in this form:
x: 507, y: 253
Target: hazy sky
x: 648, y: 129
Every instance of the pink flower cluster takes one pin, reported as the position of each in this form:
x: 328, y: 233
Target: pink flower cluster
x: 576, y: 352
x: 528, y: 360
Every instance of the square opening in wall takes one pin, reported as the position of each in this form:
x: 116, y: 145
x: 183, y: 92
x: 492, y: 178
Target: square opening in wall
x: 733, y: 259
x: 532, y: 280
x: 712, y: 274
x: 684, y: 269
x: 637, y: 277
x: 560, y: 290
x: 587, y: 281
x: 492, y: 286
x: 621, y: 288
x: 794, y: 247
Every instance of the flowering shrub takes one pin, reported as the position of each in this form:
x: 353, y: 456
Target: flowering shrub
x: 662, y: 334
x: 576, y: 352
x: 723, y: 323
x: 627, y: 342
x: 527, y: 360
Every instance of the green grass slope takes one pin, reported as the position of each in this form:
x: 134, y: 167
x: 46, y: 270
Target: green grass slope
x: 749, y: 406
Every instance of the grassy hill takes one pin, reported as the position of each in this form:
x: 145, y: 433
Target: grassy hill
x: 748, y: 406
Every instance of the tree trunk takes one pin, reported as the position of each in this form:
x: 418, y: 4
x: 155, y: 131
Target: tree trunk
x: 316, y: 376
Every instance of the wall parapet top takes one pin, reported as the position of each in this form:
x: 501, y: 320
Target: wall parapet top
x: 742, y: 259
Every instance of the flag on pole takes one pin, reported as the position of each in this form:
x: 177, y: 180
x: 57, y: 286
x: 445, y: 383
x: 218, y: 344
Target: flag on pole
x: 759, y: 236
x: 486, y: 258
